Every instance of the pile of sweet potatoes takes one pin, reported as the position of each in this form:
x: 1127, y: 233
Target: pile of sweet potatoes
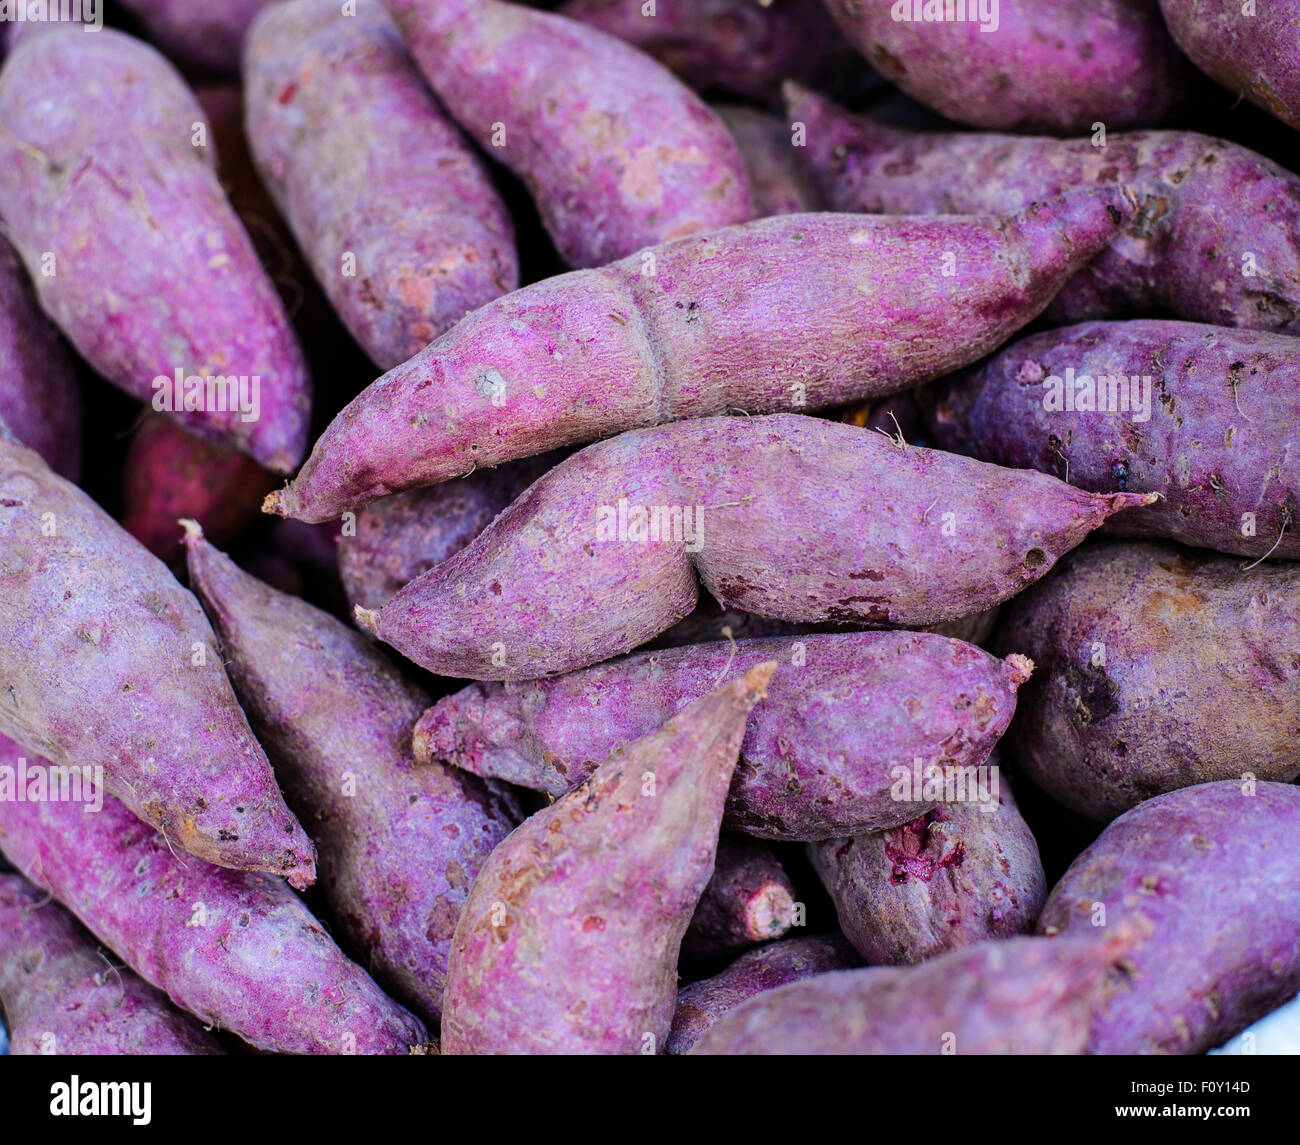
x: 609, y: 533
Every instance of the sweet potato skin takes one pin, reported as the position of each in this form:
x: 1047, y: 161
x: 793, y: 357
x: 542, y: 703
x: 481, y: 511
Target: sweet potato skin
x: 402, y: 537
x: 606, y: 878
x: 780, y: 182
x: 197, y: 34
x: 749, y: 898
x: 944, y: 536
x: 956, y: 876
x: 62, y: 995
x: 237, y: 949
x: 1210, y: 869
x: 107, y: 661
x: 736, y: 46
x: 373, y: 813
x: 1253, y: 55
x: 153, y: 273
x: 841, y: 711
x: 540, y: 92
x: 1156, y: 668
x: 702, y: 1003
x: 40, y: 399
x: 1037, y: 65
x: 687, y: 330
x: 168, y: 475
x: 1216, y: 432
x: 1023, y: 995
x: 365, y: 165
x: 1180, y: 252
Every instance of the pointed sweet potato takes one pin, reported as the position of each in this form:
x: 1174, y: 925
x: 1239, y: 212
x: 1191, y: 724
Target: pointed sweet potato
x: 62, y: 995
x: 618, y: 153
x: 373, y: 812
x: 605, y: 879
x: 107, y: 662
x: 788, y: 516
x: 820, y: 756
x: 114, y: 205
x: 238, y: 950
x: 791, y: 312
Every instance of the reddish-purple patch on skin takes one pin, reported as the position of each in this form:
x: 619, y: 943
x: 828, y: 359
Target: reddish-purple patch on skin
x: 907, y: 850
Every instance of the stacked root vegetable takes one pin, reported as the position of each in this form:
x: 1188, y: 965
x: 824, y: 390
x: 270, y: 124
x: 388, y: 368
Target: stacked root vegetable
x: 813, y: 575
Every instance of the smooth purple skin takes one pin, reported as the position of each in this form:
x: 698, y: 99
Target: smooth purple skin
x: 63, y: 995
x: 1200, y: 679
x: 1211, y: 871
x: 800, y: 519
x: 1202, y: 206
x: 40, y: 399
x: 152, y: 270
x: 402, y: 537
x: 199, y: 34
x: 781, y: 183
x: 617, y: 152
x: 98, y: 651
x: 794, y: 312
x: 1222, y: 443
x: 842, y: 711
x: 362, y: 162
x: 1056, y: 66
x: 605, y: 879
x: 1256, y: 55
x: 236, y: 949
x: 749, y: 898
x: 399, y: 845
x: 738, y: 46
x: 1020, y: 995
x: 702, y: 1003
x: 954, y: 877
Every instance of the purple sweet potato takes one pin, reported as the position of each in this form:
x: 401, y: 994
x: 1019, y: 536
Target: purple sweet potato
x: 168, y: 474
x: 402, y: 537
x: 1252, y: 50
x: 40, y: 399
x: 112, y: 200
x: 781, y: 184
x: 1211, y: 870
x: 749, y: 898
x: 396, y: 213
x: 842, y: 712
x: 958, y: 875
x: 1024, y: 65
x: 1157, y: 668
x: 1213, y: 238
x: 793, y: 312
x: 107, y: 662
x: 1207, y: 416
x: 787, y: 516
x: 569, y: 941
x: 238, y: 950
x: 373, y: 812
x: 199, y: 34
x: 617, y: 152
x: 62, y: 995
x: 735, y: 46
x: 702, y: 1003
x: 1021, y: 995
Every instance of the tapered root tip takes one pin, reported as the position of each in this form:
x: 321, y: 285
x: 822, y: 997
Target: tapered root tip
x: 367, y: 618
x: 193, y: 530
x: 273, y: 503
x: 1118, y: 502
x: 757, y: 679
x: 1022, y: 667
